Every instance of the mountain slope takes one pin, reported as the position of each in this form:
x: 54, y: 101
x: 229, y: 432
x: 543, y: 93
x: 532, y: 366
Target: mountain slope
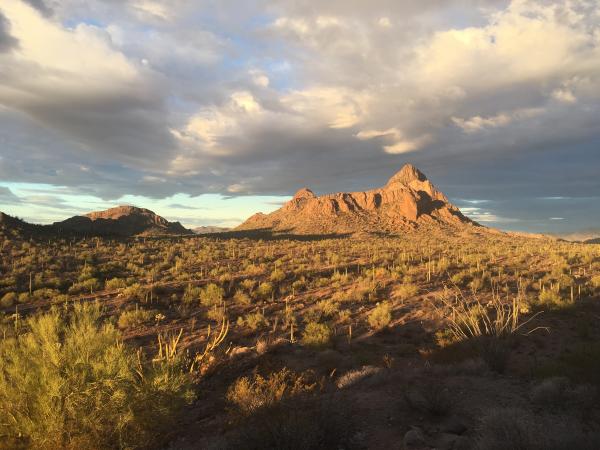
x: 121, y: 221
x: 407, y: 201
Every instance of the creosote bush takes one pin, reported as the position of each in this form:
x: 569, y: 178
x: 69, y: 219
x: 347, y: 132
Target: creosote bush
x: 381, y: 316
x: 316, y: 335
x: 211, y: 295
x: 69, y: 382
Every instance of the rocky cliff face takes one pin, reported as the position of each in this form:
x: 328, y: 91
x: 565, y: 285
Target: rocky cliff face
x: 407, y: 201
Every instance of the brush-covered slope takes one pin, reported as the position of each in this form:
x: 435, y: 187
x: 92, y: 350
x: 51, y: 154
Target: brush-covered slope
x: 407, y: 201
x: 121, y: 221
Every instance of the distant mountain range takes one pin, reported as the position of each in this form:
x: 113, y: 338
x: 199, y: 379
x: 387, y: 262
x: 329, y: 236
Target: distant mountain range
x: 408, y: 201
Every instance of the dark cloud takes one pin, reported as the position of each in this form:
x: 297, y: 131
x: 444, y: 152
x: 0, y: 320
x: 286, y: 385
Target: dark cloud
x: 153, y: 99
x: 41, y: 6
x: 7, y: 42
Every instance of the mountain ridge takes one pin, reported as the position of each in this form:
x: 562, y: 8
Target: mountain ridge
x: 407, y: 201
x: 122, y: 221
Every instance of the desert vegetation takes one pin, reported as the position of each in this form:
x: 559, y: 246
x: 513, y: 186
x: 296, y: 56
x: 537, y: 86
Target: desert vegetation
x: 196, y: 342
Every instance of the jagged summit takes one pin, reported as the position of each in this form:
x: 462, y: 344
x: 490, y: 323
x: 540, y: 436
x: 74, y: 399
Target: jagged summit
x: 304, y: 193
x: 407, y: 201
x: 406, y: 175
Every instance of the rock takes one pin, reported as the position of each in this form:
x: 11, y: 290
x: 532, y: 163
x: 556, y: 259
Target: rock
x: 414, y: 438
x: 408, y: 200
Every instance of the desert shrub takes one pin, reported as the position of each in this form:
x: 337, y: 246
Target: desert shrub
x: 557, y: 393
x: 316, y: 334
x: 580, y: 364
x: 71, y: 383
x: 254, y: 321
x: 431, y: 396
x: 211, y: 295
x: 460, y: 278
x: 248, y: 284
x: 596, y: 281
x: 87, y: 286
x: 115, y: 283
x: 299, y: 285
x: 216, y: 313
x: 249, y: 394
x: 511, y: 428
x: 242, y: 298
x: 191, y: 294
x: 501, y: 429
x: 328, y: 308
x: 264, y: 290
x: 489, y: 328
x: 8, y: 300
x: 381, y: 316
x: 551, y: 299
x: 135, y: 317
x: 298, y: 423
x: 135, y: 291
x: 406, y: 291
x: 277, y: 275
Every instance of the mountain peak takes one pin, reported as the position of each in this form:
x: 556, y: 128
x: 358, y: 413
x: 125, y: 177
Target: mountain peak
x: 406, y: 175
x: 304, y: 193
x: 406, y: 202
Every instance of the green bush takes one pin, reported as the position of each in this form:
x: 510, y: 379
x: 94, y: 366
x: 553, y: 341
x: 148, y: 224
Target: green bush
x: 254, y: 321
x: 381, y: 316
x: 8, y: 300
x: 551, y: 299
x: 316, y: 335
x: 265, y: 289
x: 72, y: 383
x: 242, y: 298
x: 135, y: 317
x: 191, y: 294
x: 211, y: 295
x: 405, y: 291
x: 115, y: 283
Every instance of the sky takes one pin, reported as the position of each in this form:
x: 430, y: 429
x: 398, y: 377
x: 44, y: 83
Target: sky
x: 207, y: 111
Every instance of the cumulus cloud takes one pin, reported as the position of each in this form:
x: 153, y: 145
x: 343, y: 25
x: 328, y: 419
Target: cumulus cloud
x: 154, y: 98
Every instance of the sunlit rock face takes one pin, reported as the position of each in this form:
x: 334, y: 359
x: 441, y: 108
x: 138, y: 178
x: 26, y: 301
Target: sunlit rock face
x: 407, y: 201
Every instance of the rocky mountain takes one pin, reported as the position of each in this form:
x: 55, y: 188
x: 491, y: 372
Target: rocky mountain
x: 121, y: 221
x: 407, y: 201
x: 210, y: 229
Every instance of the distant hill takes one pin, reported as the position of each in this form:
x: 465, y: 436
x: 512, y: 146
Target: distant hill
x: 120, y: 221
x: 207, y: 229
x: 406, y: 202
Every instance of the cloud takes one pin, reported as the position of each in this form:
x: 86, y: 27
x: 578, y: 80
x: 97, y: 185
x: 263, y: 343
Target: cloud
x: 188, y: 207
x: 80, y: 86
x: 7, y: 41
x: 7, y: 197
x: 153, y: 98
